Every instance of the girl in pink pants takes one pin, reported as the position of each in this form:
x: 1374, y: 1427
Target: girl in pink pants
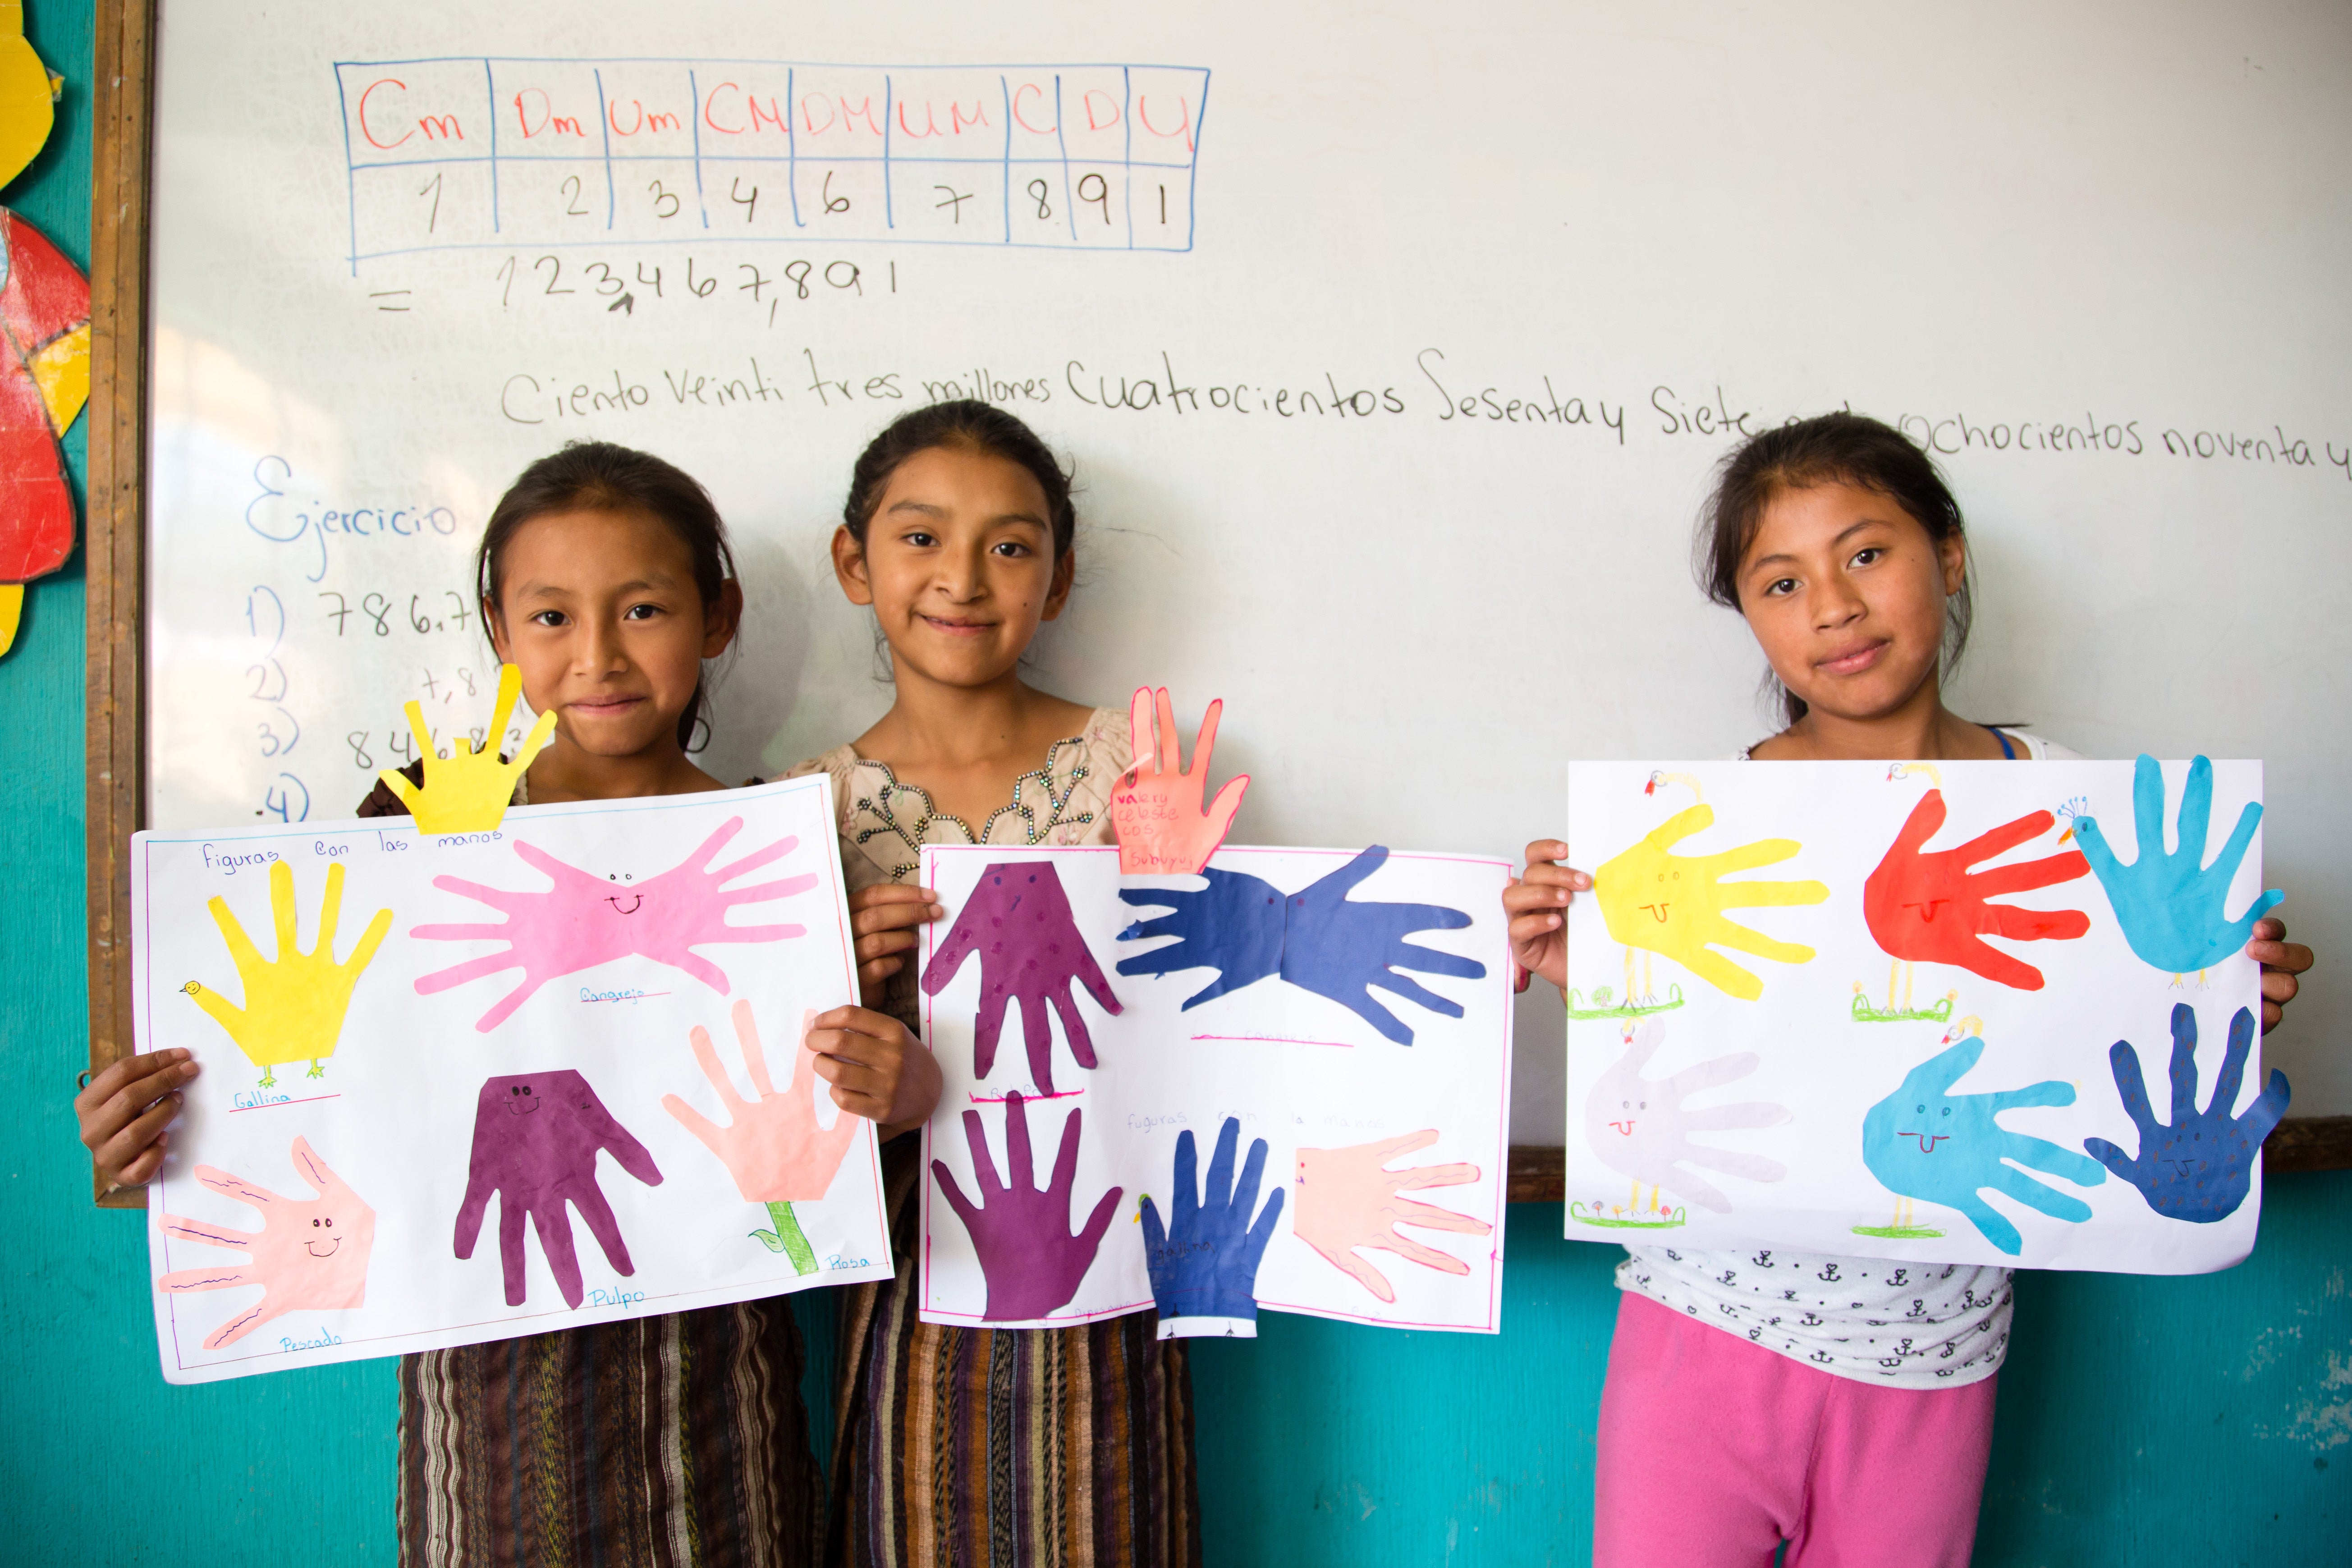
x: 1842, y: 1405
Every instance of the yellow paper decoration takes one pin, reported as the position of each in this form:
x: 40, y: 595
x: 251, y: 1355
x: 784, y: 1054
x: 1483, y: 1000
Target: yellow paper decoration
x: 467, y: 791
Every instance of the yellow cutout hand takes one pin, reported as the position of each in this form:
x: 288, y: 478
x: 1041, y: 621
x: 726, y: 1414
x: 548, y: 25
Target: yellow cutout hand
x: 467, y: 791
x: 295, y: 1003
x: 1673, y: 904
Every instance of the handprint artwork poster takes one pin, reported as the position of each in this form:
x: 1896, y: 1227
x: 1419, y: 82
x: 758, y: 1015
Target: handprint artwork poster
x: 1205, y: 1085
x: 1912, y: 1009
x: 557, y: 1060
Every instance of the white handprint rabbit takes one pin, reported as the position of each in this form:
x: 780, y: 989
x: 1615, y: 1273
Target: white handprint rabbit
x: 1640, y: 1127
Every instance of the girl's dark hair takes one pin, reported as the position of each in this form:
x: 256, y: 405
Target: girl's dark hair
x: 598, y: 476
x: 964, y: 425
x: 1831, y: 449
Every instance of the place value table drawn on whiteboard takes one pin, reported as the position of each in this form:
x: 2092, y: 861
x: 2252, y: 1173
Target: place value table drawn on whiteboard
x: 462, y: 153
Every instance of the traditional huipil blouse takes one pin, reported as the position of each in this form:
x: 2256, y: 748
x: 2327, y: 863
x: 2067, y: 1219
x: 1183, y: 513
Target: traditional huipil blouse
x: 1002, y: 1447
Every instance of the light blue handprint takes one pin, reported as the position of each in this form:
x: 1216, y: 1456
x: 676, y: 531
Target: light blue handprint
x: 2200, y: 1168
x: 1924, y: 1142
x: 2170, y: 906
x: 1317, y: 938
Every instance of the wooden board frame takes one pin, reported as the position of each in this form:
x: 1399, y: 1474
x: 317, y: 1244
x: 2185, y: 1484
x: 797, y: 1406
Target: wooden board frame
x: 114, y: 685
x: 115, y: 738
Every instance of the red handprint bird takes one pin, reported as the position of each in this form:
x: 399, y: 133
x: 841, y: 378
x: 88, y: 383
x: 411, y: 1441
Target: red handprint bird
x: 1927, y: 906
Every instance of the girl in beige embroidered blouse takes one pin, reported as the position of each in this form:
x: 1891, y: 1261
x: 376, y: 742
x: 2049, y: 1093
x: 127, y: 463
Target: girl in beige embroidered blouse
x: 958, y: 532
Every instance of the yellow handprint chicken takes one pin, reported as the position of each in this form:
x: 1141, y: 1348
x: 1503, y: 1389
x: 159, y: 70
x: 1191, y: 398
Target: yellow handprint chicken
x: 1673, y: 904
x: 467, y: 791
x: 295, y: 1003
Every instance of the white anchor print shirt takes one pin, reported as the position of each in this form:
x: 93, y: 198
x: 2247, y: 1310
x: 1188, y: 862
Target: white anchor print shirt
x: 1874, y: 1320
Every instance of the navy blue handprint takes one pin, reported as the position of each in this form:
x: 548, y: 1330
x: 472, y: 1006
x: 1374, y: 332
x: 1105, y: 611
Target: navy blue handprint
x: 1234, y: 926
x: 2200, y: 1168
x: 2170, y: 906
x: 1338, y: 948
x: 1204, y: 1264
x: 1318, y: 939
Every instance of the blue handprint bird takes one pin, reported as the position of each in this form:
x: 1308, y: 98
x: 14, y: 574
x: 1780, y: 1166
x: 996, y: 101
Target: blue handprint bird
x: 2171, y: 906
x: 1924, y: 1142
x: 1317, y: 938
x: 1205, y: 1263
x: 2200, y: 1168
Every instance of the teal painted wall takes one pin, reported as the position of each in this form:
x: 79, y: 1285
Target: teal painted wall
x: 2202, y: 1421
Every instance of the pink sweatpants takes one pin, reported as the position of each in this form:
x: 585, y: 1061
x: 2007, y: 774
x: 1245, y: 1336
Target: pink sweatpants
x: 1714, y: 1451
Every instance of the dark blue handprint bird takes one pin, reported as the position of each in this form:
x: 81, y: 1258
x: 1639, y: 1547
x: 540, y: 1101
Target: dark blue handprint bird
x: 1205, y: 1263
x: 2200, y: 1168
x: 1924, y: 1142
x: 1317, y: 938
x: 2171, y: 906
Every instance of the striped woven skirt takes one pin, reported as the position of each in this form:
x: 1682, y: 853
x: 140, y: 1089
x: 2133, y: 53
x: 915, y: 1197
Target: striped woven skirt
x: 1005, y: 1447
x: 670, y: 1442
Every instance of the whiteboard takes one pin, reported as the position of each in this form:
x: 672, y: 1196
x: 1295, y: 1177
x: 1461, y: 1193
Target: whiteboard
x: 1393, y: 347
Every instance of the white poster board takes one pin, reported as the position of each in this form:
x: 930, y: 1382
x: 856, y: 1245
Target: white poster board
x: 1919, y: 1010
x: 1057, y: 1009
x: 399, y: 1079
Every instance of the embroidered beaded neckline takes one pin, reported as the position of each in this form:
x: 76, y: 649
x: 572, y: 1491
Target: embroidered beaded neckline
x: 880, y: 807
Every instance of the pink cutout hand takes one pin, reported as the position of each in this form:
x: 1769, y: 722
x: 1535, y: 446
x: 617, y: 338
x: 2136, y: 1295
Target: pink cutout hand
x: 580, y: 923
x: 310, y: 1253
x: 1346, y: 1200
x: 772, y: 1145
x: 1163, y: 829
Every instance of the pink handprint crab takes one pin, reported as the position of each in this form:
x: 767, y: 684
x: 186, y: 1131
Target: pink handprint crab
x: 582, y: 921
x: 311, y: 1254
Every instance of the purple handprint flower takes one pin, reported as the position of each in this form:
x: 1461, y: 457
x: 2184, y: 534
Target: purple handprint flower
x: 582, y: 921
x: 2200, y: 1168
x: 536, y: 1138
x: 1032, y: 1263
x: 1018, y: 920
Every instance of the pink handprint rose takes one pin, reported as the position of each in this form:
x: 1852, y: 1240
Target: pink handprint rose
x: 772, y: 1145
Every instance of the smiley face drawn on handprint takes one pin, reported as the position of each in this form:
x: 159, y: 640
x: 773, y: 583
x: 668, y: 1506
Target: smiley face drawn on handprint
x: 1674, y: 905
x: 571, y: 925
x: 1926, y: 1142
x: 309, y: 1255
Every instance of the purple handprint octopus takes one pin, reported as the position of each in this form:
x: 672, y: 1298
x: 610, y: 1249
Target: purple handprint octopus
x: 1018, y: 920
x: 536, y: 1138
x: 1032, y: 1263
x: 582, y: 921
